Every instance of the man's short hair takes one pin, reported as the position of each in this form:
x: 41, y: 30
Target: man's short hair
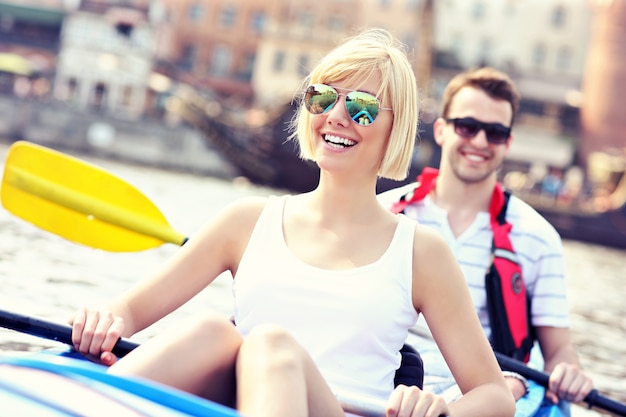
x: 494, y: 83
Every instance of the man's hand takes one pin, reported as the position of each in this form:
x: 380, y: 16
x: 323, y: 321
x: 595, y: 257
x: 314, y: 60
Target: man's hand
x: 568, y: 382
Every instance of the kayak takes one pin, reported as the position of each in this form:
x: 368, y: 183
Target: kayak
x: 533, y: 404
x: 26, y: 381
x: 62, y: 383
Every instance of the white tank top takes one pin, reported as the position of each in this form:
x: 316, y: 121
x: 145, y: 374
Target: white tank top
x: 352, y: 322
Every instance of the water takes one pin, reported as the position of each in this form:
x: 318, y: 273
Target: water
x: 45, y: 276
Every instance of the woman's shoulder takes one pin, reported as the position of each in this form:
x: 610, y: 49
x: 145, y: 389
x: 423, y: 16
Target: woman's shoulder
x: 241, y: 212
x: 427, y: 241
x: 436, y: 271
x: 246, y: 206
x: 235, y: 222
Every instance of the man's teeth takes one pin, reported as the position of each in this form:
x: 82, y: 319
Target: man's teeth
x: 475, y: 158
x: 339, y: 141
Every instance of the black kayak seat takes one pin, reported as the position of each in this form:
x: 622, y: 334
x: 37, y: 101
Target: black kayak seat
x: 411, y: 371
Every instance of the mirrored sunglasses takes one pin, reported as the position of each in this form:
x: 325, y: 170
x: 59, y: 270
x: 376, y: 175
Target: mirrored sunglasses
x: 362, y: 107
x: 468, y: 127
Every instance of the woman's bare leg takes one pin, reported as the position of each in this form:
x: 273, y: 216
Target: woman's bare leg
x: 199, y: 357
x: 276, y: 377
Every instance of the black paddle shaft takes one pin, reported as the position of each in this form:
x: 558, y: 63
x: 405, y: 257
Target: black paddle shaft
x: 593, y: 399
x: 52, y: 331
x: 63, y: 333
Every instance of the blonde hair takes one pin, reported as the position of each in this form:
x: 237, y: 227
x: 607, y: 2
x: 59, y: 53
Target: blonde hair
x: 368, y: 52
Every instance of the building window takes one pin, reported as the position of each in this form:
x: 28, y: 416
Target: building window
x: 412, y: 4
x: 221, y: 62
x: 564, y: 58
x: 188, y: 57
x: 306, y: 19
x: 531, y: 107
x: 227, y: 16
x: 335, y: 23
x: 558, y: 16
x: 195, y: 12
x: 68, y: 90
x: 409, y: 40
x: 478, y: 11
x: 539, y: 55
x: 485, y: 54
x: 509, y: 9
x: 246, y: 67
x: 457, y: 45
x: 127, y: 96
x: 570, y: 118
x: 279, y: 61
x: 99, y: 95
x: 258, y: 22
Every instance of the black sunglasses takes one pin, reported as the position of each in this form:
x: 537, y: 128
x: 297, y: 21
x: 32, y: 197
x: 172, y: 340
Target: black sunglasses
x: 468, y: 127
x: 362, y: 107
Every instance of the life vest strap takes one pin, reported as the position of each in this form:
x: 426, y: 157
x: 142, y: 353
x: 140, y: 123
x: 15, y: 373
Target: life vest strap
x: 507, y: 302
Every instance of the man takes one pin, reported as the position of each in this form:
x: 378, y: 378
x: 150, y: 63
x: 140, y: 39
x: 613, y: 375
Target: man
x: 474, y: 132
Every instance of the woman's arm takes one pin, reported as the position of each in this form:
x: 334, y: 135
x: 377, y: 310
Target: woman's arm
x: 216, y: 248
x: 440, y: 293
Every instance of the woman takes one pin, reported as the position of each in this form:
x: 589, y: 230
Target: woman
x: 326, y: 283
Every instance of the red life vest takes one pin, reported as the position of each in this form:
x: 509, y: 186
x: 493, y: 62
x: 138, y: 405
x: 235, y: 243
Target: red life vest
x: 507, y: 302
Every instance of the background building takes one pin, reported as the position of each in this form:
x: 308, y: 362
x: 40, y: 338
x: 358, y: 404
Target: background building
x: 106, y: 57
x: 604, y: 82
x: 29, y: 44
x: 122, y: 57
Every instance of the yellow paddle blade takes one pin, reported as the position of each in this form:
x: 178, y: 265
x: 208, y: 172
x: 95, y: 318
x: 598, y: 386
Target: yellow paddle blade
x: 80, y: 201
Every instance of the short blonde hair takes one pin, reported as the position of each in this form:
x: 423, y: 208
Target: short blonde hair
x: 368, y: 52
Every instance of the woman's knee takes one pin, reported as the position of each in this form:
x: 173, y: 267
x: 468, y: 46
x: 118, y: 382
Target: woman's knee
x: 273, y: 347
x: 211, y: 327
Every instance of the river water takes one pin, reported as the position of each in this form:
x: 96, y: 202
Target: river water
x: 48, y: 277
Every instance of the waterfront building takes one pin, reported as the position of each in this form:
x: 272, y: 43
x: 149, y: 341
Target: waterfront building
x: 29, y: 44
x: 603, y: 115
x: 256, y: 53
x: 542, y: 44
x: 106, y: 58
x: 250, y: 53
x: 244, y: 49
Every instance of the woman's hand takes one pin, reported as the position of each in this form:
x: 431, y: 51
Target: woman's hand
x: 95, y: 333
x: 412, y: 401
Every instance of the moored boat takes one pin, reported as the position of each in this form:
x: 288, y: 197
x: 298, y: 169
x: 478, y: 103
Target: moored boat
x: 588, y: 208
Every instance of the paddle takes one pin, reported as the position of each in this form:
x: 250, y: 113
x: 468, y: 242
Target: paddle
x: 63, y: 333
x: 593, y: 399
x: 81, y: 202
x: 52, y: 331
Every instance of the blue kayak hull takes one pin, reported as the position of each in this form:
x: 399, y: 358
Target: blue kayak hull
x: 58, y: 384
x: 534, y: 405
x: 46, y: 384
